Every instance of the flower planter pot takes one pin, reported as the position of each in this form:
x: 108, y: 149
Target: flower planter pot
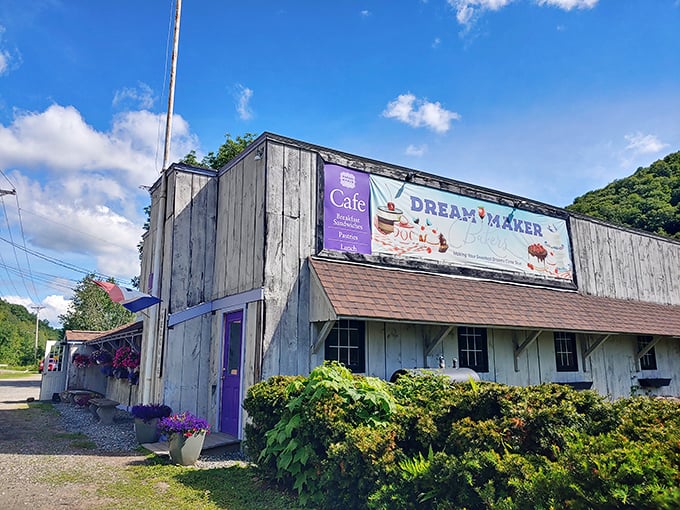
x: 654, y: 382
x: 186, y: 450
x: 146, y: 431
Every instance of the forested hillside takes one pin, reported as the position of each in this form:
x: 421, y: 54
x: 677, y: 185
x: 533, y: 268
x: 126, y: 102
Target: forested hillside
x: 649, y: 199
x: 17, y: 335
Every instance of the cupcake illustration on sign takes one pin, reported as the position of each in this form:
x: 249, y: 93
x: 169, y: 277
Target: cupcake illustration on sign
x: 387, y: 216
x: 538, y: 252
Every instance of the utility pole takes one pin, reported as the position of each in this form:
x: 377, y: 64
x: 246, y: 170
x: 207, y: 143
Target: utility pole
x: 156, y: 329
x: 37, y: 313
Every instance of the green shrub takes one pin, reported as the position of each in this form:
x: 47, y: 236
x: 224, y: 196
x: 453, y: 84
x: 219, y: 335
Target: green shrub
x: 331, y: 403
x: 345, y: 441
x: 265, y: 404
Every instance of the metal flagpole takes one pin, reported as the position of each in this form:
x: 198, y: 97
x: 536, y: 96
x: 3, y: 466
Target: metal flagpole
x: 156, y: 329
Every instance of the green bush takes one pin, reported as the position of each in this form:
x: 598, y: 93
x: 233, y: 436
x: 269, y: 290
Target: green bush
x: 345, y: 441
x: 265, y: 404
x: 330, y: 404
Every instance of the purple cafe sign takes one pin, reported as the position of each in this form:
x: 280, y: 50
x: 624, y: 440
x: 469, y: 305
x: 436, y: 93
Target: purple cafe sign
x: 347, y: 211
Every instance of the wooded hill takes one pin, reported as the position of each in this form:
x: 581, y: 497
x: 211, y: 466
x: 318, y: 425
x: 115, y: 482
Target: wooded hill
x: 17, y: 335
x: 648, y: 200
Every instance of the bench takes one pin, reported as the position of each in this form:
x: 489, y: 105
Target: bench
x: 70, y: 396
x: 104, y: 408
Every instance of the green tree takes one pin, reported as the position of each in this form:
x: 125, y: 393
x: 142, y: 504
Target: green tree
x: 648, y: 200
x: 225, y: 153
x: 92, y: 309
x: 17, y: 334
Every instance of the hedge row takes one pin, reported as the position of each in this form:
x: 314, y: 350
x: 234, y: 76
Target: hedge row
x: 345, y: 441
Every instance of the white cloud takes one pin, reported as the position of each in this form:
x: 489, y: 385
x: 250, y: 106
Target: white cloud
x: 437, y: 41
x: 59, y: 141
x: 416, y: 150
x: 640, y: 143
x: 78, y: 187
x: 4, y: 62
x: 420, y: 113
x: 54, y: 307
x: 568, y: 5
x: 365, y: 13
x: 141, y: 97
x: 243, y: 96
x: 468, y: 10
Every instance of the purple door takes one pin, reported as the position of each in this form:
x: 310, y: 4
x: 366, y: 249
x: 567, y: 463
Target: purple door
x: 231, y: 373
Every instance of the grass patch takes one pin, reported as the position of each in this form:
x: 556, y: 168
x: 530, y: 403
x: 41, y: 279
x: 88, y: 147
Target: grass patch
x: 77, y: 439
x: 159, y: 485
x: 43, y: 406
x: 16, y: 375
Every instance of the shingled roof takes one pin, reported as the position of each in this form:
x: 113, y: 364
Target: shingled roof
x: 370, y: 292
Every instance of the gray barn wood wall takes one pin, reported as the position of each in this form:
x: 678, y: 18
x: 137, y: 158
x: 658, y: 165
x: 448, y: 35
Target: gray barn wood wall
x: 239, y: 240
x: 182, y: 363
x: 624, y: 264
x: 291, y: 193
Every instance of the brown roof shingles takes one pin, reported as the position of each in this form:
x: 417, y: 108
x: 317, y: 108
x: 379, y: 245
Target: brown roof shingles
x: 357, y: 290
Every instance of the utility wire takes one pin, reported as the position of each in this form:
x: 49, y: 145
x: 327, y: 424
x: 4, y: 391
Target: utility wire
x: 23, y: 240
x: 65, y: 265
x: 165, y: 78
x: 33, y: 297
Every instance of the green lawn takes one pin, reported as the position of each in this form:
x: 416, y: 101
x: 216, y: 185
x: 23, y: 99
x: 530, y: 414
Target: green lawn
x: 159, y: 485
x: 11, y: 374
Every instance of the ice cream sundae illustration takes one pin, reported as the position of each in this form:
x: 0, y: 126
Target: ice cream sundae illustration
x: 387, y: 216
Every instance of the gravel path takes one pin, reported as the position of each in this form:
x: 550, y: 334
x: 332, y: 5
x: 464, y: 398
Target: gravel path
x: 57, y: 456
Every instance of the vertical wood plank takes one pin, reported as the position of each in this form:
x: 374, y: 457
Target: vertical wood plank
x: 273, y: 267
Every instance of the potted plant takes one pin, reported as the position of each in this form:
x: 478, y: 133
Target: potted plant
x: 186, y: 434
x: 101, y: 357
x: 146, y: 421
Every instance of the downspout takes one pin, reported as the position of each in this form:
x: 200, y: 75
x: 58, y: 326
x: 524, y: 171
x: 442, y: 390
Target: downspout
x: 157, y: 330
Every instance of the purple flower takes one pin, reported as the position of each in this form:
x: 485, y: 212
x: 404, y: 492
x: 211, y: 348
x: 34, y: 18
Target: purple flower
x: 183, y: 423
x: 148, y: 412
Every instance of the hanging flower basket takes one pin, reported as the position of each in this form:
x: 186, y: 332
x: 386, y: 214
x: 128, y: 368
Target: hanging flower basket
x: 126, y: 357
x: 101, y: 357
x: 81, y: 361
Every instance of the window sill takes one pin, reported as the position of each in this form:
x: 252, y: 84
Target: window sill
x: 654, y: 382
x: 578, y: 385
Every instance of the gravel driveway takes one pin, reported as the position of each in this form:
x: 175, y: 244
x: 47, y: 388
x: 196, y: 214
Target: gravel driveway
x: 42, y: 465
x: 55, y: 456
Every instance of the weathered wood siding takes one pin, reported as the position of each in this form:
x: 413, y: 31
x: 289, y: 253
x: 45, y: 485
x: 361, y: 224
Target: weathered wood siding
x: 239, y: 240
x: 184, y: 357
x: 611, y: 367
x: 291, y: 195
x: 613, y: 262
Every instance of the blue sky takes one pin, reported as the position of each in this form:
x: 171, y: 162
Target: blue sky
x: 545, y: 99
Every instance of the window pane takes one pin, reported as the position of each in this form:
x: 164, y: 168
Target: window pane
x: 648, y: 361
x: 473, y: 349
x: 346, y: 343
x: 565, y: 352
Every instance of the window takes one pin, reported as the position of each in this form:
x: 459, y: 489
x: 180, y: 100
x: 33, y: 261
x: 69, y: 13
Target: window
x: 472, y: 349
x: 565, y: 352
x: 346, y: 343
x: 648, y: 361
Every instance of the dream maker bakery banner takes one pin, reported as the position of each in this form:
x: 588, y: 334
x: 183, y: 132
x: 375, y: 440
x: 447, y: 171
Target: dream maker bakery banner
x: 408, y: 220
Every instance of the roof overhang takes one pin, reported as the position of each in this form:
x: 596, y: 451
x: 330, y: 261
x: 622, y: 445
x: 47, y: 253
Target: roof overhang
x: 344, y: 290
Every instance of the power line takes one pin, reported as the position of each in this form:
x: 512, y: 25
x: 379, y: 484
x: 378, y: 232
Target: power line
x: 23, y: 240
x: 34, y: 297
x: 65, y: 265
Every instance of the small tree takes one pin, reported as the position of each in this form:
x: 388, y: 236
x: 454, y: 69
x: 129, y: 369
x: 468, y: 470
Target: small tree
x: 92, y: 309
x: 225, y: 153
